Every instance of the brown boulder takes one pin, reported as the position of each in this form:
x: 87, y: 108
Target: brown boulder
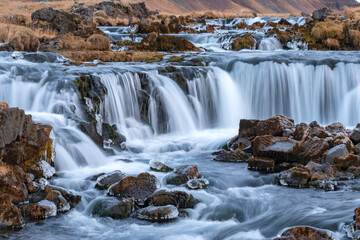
x: 244, y: 42
x: 265, y: 165
x: 336, y: 128
x: 191, y: 171
x: 3, y: 105
x: 301, y: 130
x: 61, y: 203
x: 240, y: 143
x: 313, y: 149
x: 106, y: 180
x: 294, y: 177
x: 139, y: 187
x: 302, y: 233
x: 12, y: 182
x: 72, y: 198
x: 41, y: 210
x: 281, y: 149
x: 234, y: 156
x: 10, y: 215
x: 274, y: 125
x: 348, y: 161
x: 247, y: 128
x: 179, y: 199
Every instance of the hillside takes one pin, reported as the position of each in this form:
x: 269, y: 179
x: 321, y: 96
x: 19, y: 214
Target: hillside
x: 234, y: 6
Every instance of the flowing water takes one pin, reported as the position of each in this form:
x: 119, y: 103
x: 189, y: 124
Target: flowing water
x: 184, y: 123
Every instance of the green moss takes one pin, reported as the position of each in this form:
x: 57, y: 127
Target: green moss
x: 176, y: 59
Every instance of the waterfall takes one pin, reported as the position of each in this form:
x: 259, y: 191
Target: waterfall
x: 270, y: 44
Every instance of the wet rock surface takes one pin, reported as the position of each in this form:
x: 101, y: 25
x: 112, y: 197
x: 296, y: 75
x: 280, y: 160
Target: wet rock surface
x: 297, y: 233
x: 106, y: 180
x: 158, y: 214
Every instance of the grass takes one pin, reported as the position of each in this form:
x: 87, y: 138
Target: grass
x: 24, y: 39
x: 328, y: 29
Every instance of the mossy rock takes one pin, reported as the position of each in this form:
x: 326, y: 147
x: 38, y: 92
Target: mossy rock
x: 244, y: 42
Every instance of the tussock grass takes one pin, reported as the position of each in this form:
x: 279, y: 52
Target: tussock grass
x: 71, y: 42
x: 332, y: 44
x: 98, y: 42
x: 328, y: 29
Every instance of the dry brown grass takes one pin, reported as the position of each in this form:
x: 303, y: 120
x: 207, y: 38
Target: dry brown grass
x: 24, y: 39
x: 71, y: 42
x: 98, y: 42
x: 332, y: 44
x: 352, y: 13
x: 328, y: 29
x: 355, y: 38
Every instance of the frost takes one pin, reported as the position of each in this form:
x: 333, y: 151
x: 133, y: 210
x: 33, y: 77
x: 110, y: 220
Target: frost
x: 47, y: 169
x: 50, y: 207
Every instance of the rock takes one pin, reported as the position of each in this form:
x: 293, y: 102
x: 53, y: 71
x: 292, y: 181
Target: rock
x: 12, y: 183
x: 114, y: 208
x: 274, y: 125
x: 357, y: 219
x: 314, y: 167
x: 9, y: 47
x: 318, y: 131
x: 244, y: 42
x: 337, y: 151
x: 110, y: 133
x: 240, y: 143
x: 247, y: 128
x: 158, y: 214
x: 336, y: 128
x: 281, y: 149
x: 265, y: 165
x: 61, y: 203
x: 176, y: 179
x: 241, y: 25
x: 197, y: 183
x: 41, y: 210
x: 106, y: 180
x: 155, y: 42
x: 313, y: 149
x: 10, y: 215
x: 234, y: 156
x: 285, y: 22
x: 318, y: 177
x: 139, y: 187
x: 297, y: 233
x: 4, y: 105
x: 355, y: 136
x: 191, y: 171
x: 159, y: 166
x: 301, y: 131
x: 72, y: 198
x: 294, y: 177
x: 210, y: 29
x: 179, y: 199
x: 344, y: 162
x: 321, y: 14
x: 62, y: 22
x: 81, y: 10
x: 343, y: 138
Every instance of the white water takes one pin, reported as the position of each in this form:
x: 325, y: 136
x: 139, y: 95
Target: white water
x: 184, y: 128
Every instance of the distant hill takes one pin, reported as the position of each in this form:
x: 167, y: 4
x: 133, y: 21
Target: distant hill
x: 234, y: 6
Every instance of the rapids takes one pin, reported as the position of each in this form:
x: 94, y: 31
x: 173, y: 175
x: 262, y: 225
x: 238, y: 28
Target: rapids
x: 185, y: 123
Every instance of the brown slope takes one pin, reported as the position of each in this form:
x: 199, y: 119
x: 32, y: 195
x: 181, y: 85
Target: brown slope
x: 234, y: 6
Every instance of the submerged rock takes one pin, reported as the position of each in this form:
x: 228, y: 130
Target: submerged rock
x: 114, y: 208
x: 41, y: 210
x: 159, y: 166
x: 139, y: 187
x: 294, y: 177
x: 106, y: 180
x: 158, y: 214
x: 197, y: 183
x: 61, y: 203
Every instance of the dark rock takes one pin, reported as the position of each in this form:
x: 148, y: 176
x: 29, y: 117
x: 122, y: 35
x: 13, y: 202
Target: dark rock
x: 197, y: 183
x: 60, y: 202
x: 355, y: 136
x: 9, y: 47
x: 281, y: 149
x: 337, y: 151
x: 297, y: 233
x: 90, y: 130
x: 285, y: 22
x: 234, y: 156
x: 336, y: 128
x: 110, y: 133
x: 294, y: 177
x: 274, y: 125
x: 189, y: 170
x: 244, y: 42
x: 179, y: 199
x: 176, y: 179
x: 84, y: 11
x: 10, y: 215
x: 159, y: 167
x: 72, y: 198
x: 114, y: 208
x: 247, y: 128
x: 107, y: 180
x: 41, y: 210
x: 321, y: 14
x: 158, y: 214
x: 301, y: 131
x: 139, y: 187
x: 265, y: 165
x: 344, y: 162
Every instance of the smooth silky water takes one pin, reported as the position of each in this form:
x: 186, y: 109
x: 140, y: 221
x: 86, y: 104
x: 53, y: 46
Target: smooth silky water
x: 238, y: 204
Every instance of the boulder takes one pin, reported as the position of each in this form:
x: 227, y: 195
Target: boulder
x: 72, y: 198
x: 274, y: 125
x: 176, y: 179
x: 12, y: 183
x: 240, y: 143
x: 301, y: 130
x: 243, y: 42
x: 107, y: 180
x: 344, y: 162
x: 158, y: 214
x: 194, y: 184
x: 336, y: 128
x: 355, y: 135
x: 281, y: 149
x: 179, y: 199
x: 234, y: 156
x: 110, y: 133
x: 191, y: 171
x: 163, y: 43
x: 159, y: 166
x: 265, y: 165
x: 285, y: 22
x: 114, y: 208
x: 61, y: 204
x: 41, y: 210
x: 321, y: 14
x: 313, y: 149
x: 139, y: 187
x: 294, y: 177
x: 297, y: 233
x: 82, y: 10
x: 9, y: 47
x: 337, y: 151
x: 247, y: 128
x: 10, y: 215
